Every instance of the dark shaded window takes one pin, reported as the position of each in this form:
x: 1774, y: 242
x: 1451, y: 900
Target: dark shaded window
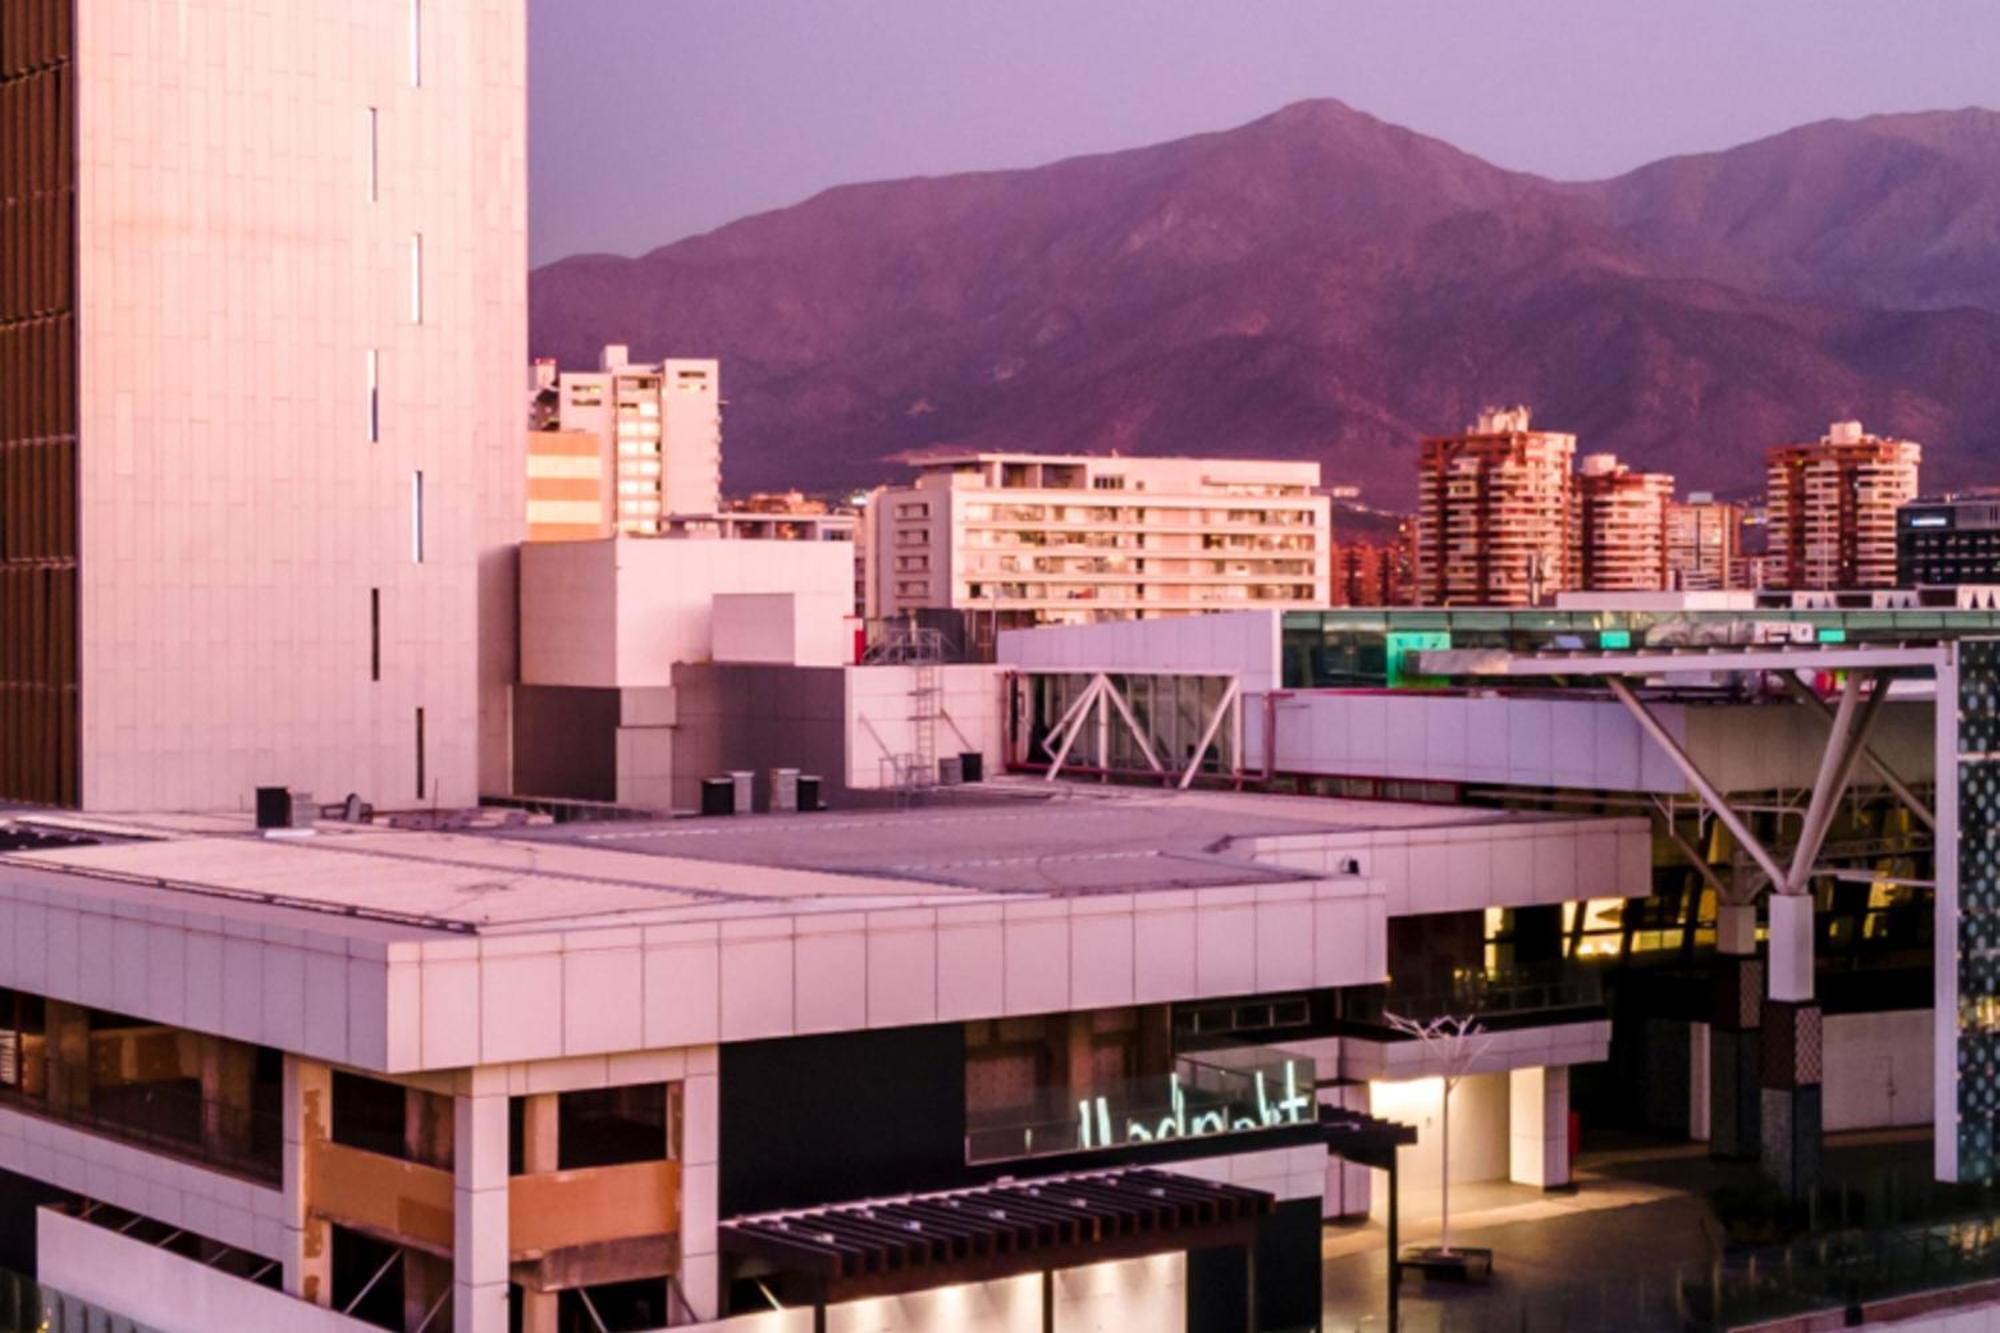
x: 612, y: 1126
x: 392, y: 1120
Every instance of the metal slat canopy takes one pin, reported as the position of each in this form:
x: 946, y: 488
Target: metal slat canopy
x: 1019, y: 1226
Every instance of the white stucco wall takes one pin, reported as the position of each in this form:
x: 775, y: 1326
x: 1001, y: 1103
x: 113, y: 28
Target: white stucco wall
x: 880, y: 718
x: 1878, y: 1070
x: 235, y: 270
x: 622, y: 613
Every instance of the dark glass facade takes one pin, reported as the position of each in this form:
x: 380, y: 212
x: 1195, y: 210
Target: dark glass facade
x: 40, y: 759
x: 1367, y: 649
x: 1948, y: 542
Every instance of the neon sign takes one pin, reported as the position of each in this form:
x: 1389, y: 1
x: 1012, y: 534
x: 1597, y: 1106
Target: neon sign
x: 1095, y: 1128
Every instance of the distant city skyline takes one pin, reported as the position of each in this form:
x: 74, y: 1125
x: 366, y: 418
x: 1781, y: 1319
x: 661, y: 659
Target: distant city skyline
x: 651, y: 121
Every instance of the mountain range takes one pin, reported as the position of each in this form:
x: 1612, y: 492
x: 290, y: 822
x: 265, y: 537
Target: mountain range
x: 1322, y: 284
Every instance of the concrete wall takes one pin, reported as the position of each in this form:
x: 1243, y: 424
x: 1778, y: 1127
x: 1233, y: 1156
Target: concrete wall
x: 1480, y: 1148
x: 1240, y: 643
x: 1462, y: 867
x: 785, y: 628
x: 880, y: 729
x: 209, y: 1203
x: 741, y: 716
x: 236, y: 270
x: 1570, y: 742
x: 1878, y: 1070
x: 164, y: 1291
x: 623, y: 613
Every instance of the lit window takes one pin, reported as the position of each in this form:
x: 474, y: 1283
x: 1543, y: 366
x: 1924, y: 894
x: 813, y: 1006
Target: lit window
x: 374, y: 156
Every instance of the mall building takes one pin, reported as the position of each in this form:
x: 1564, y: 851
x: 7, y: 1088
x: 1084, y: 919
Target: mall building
x: 1090, y: 1055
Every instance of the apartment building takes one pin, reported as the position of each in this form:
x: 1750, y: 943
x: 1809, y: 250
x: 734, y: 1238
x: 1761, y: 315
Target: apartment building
x: 1493, y: 513
x: 1619, y: 527
x: 1949, y: 540
x: 261, y: 324
x: 570, y: 486
x: 1704, y: 538
x: 1371, y: 573
x: 660, y: 428
x: 1833, y: 506
x: 1048, y: 538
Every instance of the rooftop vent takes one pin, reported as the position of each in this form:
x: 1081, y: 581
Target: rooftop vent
x: 282, y: 808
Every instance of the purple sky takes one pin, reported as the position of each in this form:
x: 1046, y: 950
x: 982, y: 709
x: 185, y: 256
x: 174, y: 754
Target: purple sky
x: 656, y: 119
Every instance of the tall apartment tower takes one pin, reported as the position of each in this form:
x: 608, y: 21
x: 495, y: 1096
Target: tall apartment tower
x: 262, y: 318
x: 1619, y: 531
x: 1704, y: 551
x: 1833, y: 507
x: 1493, y: 516
x: 661, y: 428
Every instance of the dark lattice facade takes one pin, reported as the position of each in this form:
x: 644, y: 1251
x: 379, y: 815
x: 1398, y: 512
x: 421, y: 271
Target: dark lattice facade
x: 39, y: 743
x: 1978, y: 923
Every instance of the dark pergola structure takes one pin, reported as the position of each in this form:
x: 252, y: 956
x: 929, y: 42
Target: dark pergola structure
x: 892, y: 1246
x: 1011, y: 1228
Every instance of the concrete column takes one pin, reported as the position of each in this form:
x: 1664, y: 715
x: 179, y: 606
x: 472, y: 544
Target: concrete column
x: 308, y: 1120
x: 1793, y: 1052
x: 479, y: 1202
x: 1735, y: 1015
x: 228, y: 1071
x: 1349, y: 1186
x: 541, y: 1146
x: 1538, y: 1126
x: 701, y: 1277
x: 68, y: 1034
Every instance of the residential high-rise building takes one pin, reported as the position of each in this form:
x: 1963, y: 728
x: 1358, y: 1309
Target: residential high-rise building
x: 1619, y: 530
x: 1704, y: 544
x: 661, y: 424
x: 1059, y: 538
x: 262, y: 317
x: 1833, y: 507
x: 569, y: 486
x: 1371, y: 573
x: 1493, y: 515
x: 1949, y: 540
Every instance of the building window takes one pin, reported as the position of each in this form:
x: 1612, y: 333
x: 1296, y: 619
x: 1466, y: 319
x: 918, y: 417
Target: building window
x: 416, y: 43
x: 374, y: 396
x: 421, y: 774
x: 374, y: 634
x: 417, y: 517
x: 416, y: 277
x: 374, y: 155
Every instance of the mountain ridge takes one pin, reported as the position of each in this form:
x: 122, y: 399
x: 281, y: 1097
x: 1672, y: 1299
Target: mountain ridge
x: 1322, y: 283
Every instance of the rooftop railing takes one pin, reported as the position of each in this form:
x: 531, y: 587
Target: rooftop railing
x: 1513, y: 994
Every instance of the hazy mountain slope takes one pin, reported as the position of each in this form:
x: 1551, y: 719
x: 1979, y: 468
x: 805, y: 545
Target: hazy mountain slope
x: 1321, y: 284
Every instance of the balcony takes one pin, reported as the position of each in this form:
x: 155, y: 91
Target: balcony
x: 1236, y: 1091
x: 174, y: 1120
x: 1516, y: 997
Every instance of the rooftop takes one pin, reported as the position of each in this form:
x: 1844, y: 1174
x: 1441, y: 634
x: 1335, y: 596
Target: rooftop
x: 1025, y: 840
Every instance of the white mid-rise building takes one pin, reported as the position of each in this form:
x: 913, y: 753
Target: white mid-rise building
x: 262, y: 325
x: 660, y: 423
x: 1065, y: 538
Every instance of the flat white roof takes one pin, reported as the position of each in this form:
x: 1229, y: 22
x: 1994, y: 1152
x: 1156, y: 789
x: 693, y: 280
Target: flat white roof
x: 1029, y: 840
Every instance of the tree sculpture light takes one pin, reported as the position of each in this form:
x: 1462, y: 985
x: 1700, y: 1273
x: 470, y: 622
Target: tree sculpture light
x: 1453, y: 1045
